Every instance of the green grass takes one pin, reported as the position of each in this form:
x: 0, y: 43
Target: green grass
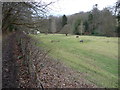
x: 96, y: 57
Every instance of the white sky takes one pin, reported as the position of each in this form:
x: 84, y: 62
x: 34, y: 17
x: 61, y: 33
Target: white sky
x: 68, y: 7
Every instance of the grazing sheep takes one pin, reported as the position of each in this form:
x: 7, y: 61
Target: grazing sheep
x: 77, y: 36
x: 66, y: 34
x: 54, y: 41
x: 81, y: 41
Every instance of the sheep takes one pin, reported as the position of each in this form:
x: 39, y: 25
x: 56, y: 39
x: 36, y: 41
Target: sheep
x: 38, y: 32
x: 77, y: 36
x: 54, y: 41
x: 81, y: 41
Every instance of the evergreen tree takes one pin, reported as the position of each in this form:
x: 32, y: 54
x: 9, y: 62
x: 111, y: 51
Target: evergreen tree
x: 64, y: 20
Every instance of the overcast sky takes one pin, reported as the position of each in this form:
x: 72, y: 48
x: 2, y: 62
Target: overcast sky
x: 69, y: 7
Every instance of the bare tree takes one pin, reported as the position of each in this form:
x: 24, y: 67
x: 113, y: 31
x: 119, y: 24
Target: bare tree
x: 52, y: 24
x: 26, y: 14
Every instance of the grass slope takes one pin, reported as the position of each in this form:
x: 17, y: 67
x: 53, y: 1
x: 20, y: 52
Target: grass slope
x: 96, y: 57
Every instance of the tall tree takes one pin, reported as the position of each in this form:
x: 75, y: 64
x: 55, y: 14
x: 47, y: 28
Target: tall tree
x: 96, y: 16
x: 64, y: 20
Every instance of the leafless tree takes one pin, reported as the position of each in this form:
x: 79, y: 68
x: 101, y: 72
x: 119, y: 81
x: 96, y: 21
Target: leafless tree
x: 25, y: 14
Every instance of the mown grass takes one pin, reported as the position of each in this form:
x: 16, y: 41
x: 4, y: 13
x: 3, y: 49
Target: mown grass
x: 96, y: 57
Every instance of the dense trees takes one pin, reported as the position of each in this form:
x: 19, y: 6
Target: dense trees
x: 95, y: 22
x: 108, y: 23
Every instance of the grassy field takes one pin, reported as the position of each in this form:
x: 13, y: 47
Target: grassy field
x: 96, y: 57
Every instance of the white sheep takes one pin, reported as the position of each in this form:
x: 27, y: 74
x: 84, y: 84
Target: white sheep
x: 38, y: 32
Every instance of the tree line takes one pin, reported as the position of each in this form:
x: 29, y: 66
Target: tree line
x: 95, y: 22
x: 30, y: 16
